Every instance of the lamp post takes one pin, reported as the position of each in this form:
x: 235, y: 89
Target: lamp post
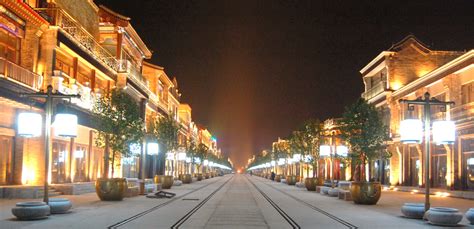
x: 426, y: 102
x: 49, y: 95
x: 327, y: 150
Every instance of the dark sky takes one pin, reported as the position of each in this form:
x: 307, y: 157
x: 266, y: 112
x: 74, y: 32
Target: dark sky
x: 255, y: 70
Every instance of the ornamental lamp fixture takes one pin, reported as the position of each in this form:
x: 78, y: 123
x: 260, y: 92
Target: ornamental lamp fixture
x: 411, y: 131
x: 152, y: 148
x: 206, y: 162
x: 188, y: 160
x: 65, y: 125
x: 29, y: 124
x: 281, y: 161
x: 324, y: 150
x: 273, y: 163
x: 444, y: 132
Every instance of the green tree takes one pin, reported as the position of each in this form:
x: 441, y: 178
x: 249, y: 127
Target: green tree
x: 166, y: 132
x: 363, y: 129
x: 119, y: 126
x: 201, y: 152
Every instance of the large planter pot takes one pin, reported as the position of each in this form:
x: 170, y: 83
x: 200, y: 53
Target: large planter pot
x: 59, y: 205
x: 206, y: 175
x: 199, y: 176
x: 470, y: 215
x: 444, y: 216
x: 31, y: 210
x: 367, y: 193
x: 165, y: 181
x: 187, y: 179
x: 291, y: 180
x: 311, y: 183
x: 278, y: 178
x: 413, y: 210
x: 111, y: 188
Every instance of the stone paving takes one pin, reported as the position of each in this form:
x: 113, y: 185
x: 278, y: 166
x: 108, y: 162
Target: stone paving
x: 235, y: 201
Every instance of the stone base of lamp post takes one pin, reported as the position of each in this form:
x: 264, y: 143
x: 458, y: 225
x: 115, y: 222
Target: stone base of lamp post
x: 413, y: 210
x: 444, y: 216
x: 59, y: 205
x: 31, y: 210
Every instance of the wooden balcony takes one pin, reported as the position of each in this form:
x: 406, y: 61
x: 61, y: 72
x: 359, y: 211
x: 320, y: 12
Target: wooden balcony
x: 20, y: 75
x: 375, y: 90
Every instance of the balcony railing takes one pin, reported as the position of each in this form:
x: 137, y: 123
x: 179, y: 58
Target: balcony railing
x: 76, y: 32
x: 375, y: 90
x: 21, y: 75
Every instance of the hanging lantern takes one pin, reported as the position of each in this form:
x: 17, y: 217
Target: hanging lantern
x: 342, y: 150
x: 152, y: 148
x: 272, y: 163
x: 181, y: 156
x: 65, y: 125
x: 170, y: 156
x: 197, y: 160
x: 444, y: 132
x: 324, y: 150
x: 296, y: 157
x: 29, y: 124
x: 411, y: 131
x: 206, y: 162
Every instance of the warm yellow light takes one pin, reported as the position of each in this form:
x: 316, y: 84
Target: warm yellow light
x: 396, y: 85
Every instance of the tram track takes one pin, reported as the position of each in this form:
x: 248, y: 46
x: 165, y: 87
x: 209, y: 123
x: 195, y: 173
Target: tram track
x: 285, y: 216
x: 143, y: 213
x: 183, y: 219
x: 319, y: 210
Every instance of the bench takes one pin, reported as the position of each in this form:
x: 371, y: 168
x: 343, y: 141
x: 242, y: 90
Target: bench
x: 133, y: 188
x: 345, y: 195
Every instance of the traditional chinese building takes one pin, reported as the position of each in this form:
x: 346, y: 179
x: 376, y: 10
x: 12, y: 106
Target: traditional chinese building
x: 407, y: 70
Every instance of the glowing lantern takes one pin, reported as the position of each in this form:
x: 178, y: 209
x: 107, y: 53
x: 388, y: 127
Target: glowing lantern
x: 65, y: 125
x: 78, y: 154
x: 206, y: 162
x: 342, y: 150
x: 181, y: 156
x: 281, y: 161
x: 29, y: 124
x: 444, y: 132
x: 272, y: 163
x: 411, y: 131
x: 296, y: 157
x: 152, y: 148
x: 170, y: 156
x: 324, y: 150
x: 188, y: 160
x: 197, y: 160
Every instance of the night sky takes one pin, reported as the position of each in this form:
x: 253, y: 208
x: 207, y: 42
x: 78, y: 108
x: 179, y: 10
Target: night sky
x: 255, y: 70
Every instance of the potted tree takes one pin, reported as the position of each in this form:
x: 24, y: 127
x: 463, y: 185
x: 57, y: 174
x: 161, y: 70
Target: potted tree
x: 167, y: 134
x: 363, y: 129
x: 311, y: 136
x: 201, y: 153
x: 119, y: 126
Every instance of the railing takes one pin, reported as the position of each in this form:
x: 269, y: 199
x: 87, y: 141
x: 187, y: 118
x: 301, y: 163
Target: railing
x: 375, y: 90
x: 462, y: 113
x: 75, y: 31
x: 21, y: 75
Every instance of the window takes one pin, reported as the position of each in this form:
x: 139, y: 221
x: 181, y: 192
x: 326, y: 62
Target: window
x: 60, y: 154
x: 467, y: 93
x: 9, y: 46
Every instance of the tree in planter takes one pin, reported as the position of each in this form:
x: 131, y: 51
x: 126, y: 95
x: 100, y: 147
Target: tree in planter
x: 298, y: 145
x: 312, y: 137
x: 201, y: 153
x: 119, y: 126
x: 191, y: 148
x: 281, y: 149
x: 166, y: 132
x: 363, y: 129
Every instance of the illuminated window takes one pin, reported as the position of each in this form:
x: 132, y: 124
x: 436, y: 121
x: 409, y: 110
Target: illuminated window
x: 467, y: 93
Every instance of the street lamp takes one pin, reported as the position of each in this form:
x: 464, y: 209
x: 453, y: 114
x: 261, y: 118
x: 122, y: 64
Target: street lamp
x: 49, y: 96
x: 327, y: 150
x: 443, y: 132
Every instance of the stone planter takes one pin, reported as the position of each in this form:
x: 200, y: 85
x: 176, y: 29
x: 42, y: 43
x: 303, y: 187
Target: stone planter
x: 177, y: 183
x: 367, y: 193
x: 444, y: 216
x: 324, y: 190
x: 199, y: 177
x: 111, y: 188
x: 413, y: 210
x: 300, y: 185
x: 333, y: 192
x: 187, y: 179
x: 31, y: 210
x: 470, y: 215
x: 278, y: 178
x: 283, y: 181
x: 311, y: 183
x: 291, y: 180
x: 206, y: 175
x: 165, y: 181
x: 59, y: 205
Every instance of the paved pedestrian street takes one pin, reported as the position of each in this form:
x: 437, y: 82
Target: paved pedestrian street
x: 234, y: 201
